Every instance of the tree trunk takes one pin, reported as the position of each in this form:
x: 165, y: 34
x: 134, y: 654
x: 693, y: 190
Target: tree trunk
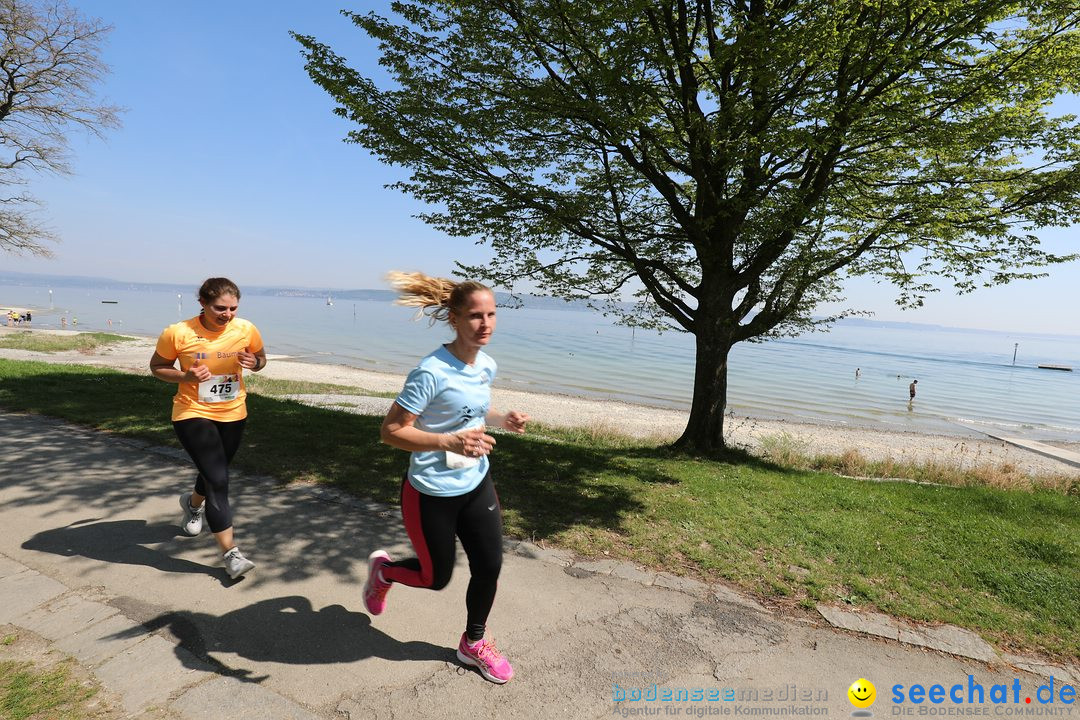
x: 705, y: 430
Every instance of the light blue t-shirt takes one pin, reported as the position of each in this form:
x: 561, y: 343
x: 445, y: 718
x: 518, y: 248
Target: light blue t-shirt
x: 447, y: 395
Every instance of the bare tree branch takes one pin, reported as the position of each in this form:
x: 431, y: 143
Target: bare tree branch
x: 50, y: 65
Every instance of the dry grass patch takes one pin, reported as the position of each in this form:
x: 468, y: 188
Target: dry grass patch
x: 784, y: 449
x: 1001, y: 476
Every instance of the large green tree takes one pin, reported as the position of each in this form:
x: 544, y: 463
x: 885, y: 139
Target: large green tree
x: 727, y: 162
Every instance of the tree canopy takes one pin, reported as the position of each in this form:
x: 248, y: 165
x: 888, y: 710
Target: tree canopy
x: 50, y: 64
x: 728, y: 163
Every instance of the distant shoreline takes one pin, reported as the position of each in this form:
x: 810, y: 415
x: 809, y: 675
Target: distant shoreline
x: 962, y: 449
x: 968, y: 377
x: 371, y: 294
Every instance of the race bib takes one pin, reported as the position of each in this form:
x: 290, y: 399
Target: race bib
x: 219, y: 388
x: 457, y: 461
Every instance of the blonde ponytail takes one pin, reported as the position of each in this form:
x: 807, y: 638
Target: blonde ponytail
x: 434, y: 296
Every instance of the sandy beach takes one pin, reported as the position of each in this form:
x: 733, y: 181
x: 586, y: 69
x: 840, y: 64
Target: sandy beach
x: 967, y: 448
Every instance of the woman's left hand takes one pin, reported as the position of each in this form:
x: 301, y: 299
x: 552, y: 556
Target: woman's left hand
x: 247, y: 360
x: 514, y: 421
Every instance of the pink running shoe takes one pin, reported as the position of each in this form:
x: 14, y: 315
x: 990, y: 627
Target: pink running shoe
x: 485, y: 658
x: 375, y: 589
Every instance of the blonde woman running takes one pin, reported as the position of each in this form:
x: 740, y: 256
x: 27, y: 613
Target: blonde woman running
x: 440, y: 417
x: 210, y: 406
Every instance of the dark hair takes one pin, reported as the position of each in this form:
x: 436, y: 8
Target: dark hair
x: 435, y: 296
x: 214, y: 288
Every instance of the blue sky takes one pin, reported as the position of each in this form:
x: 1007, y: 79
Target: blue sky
x: 231, y: 162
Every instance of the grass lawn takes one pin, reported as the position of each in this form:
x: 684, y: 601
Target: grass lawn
x: 1003, y: 562
x: 48, y: 343
x: 36, y: 684
x: 27, y: 692
x: 276, y: 388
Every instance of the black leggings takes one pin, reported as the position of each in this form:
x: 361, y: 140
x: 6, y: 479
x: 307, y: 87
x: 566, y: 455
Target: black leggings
x: 211, y: 445
x: 432, y: 522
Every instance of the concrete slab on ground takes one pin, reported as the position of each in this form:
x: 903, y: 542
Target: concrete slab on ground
x: 1069, y: 457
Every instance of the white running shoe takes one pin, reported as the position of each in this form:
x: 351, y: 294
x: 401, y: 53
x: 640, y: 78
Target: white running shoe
x: 192, y: 522
x: 236, y: 564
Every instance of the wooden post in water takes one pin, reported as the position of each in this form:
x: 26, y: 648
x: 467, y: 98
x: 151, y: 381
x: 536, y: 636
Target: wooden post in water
x: 1015, y: 345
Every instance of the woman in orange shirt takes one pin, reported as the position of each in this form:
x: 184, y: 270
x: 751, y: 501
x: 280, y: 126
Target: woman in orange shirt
x: 209, y: 409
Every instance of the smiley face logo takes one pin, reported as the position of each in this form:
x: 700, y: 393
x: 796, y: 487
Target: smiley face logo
x: 862, y: 693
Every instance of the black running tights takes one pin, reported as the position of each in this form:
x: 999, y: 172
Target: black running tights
x: 211, y: 445
x: 432, y: 522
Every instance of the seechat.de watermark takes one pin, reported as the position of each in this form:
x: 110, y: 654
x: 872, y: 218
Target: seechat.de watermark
x: 970, y: 698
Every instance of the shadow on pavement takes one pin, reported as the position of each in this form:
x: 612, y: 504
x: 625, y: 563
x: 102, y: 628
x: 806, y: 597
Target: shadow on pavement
x: 88, y: 482
x: 284, y: 630
x: 119, y: 541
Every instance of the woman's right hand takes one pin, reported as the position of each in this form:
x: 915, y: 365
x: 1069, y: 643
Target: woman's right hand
x: 474, y: 442
x: 197, y: 372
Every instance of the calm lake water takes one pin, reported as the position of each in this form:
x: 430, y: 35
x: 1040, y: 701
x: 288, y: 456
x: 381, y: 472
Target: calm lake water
x: 965, y: 376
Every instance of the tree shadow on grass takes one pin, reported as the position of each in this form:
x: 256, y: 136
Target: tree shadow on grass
x: 550, y: 485
x: 553, y: 485
x: 283, y: 438
x: 291, y: 441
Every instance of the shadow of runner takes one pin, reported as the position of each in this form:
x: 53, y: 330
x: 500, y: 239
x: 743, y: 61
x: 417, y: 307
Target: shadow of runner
x: 284, y: 630
x: 120, y: 541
